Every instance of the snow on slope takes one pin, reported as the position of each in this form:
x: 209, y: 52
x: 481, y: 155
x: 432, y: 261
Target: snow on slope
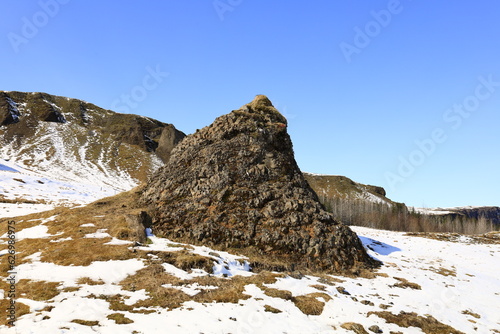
x: 459, y: 284
x: 51, y: 152
x: 44, y: 191
x: 58, y: 166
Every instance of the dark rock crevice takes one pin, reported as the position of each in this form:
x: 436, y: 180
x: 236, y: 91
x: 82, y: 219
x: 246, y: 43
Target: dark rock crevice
x: 9, y: 113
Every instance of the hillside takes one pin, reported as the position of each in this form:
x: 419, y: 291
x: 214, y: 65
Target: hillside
x: 71, y: 151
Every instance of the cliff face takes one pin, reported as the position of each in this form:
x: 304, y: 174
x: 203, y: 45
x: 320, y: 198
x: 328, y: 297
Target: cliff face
x: 491, y: 213
x: 235, y: 184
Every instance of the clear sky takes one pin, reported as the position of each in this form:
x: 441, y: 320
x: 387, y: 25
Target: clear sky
x: 402, y: 94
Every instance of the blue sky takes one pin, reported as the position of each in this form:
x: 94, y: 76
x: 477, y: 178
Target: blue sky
x: 402, y: 94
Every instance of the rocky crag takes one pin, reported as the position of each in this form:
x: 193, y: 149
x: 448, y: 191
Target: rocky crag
x: 236, y: 184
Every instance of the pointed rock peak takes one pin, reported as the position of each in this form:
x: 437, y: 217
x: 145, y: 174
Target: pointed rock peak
x: 262, y: 107
x: 261, y: 101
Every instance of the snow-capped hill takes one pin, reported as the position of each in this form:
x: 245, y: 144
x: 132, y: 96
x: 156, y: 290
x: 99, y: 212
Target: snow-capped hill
x: 60, y: 150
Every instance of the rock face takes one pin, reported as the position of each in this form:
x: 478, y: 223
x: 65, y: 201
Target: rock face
x: 235, y: 184
x: 491, y: 213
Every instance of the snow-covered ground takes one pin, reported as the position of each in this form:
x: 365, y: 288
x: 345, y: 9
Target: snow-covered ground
x: 459, y: 286
x: 43, y: 191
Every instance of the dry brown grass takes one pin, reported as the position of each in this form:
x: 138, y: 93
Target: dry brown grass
x: 328, y: 280
x: 82, y: 252
x: 309, y: 304
x: 444, y: 271
x: 152, y: 277
x: 37, y: 290
x: 276, y: 293
x: 230, y: 291
x: 116, y: 302
x: 404, y: 283
x: 186, y: 260
x: 89, y: 323
x: 318, y: 287
x: 119, y: 318
x: 354, y: 327
x: 269, y: 308
x: 79, y: 251
x: 168, y: 298
x: 428, y: 324
x: 19, y: 200
x: 89, y: 281
x: 21, y: 309
x: 469, y: 312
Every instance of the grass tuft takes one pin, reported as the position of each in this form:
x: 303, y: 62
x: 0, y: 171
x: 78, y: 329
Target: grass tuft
x: 404, y: 283
x: 309, y: 304
x: 119, y: 318
x: 268, y: 308
x: 85, y: 322
x: 428, y: 324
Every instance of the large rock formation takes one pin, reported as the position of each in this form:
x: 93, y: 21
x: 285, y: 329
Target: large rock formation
x: 235, y: 184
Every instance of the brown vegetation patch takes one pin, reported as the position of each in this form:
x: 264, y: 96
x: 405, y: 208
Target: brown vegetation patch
x: 152, y: 277
x: 116, y: 302
x: 428, y: 324
x: 354, y: 327
x: 21, y: 309
x: 469, y: 312
x: 444, y: 271
x: 19, y: 200
x: 84, y: 251
x: 89, y: 281
x: 119, y: 318
x: 89, y: 323
x: 37, y: 290
x: 318, y: 287
x: 229, y: 291
x: 309, y: 304
x: 268, y: 308
x: 276, y: 293
x: 404, y: 283
x: 328, y: 280
x: 186, y: 260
